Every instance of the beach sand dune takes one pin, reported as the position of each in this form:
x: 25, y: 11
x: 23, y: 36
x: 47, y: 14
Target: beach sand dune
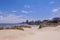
x: 47, y: 33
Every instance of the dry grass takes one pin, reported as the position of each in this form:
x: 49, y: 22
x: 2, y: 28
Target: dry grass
x: 15, y: 27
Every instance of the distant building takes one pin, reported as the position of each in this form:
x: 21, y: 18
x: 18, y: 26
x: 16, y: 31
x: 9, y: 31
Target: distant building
x: 57, y: 19
x: 45, y: 21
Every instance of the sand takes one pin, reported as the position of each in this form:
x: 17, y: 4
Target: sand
x: 47, y: 33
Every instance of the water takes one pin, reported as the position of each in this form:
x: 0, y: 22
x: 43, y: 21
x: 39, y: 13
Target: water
x: 14, y: 24
x: 8, y: 24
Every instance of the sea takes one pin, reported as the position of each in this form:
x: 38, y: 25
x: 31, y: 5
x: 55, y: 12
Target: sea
x: 7, y: 24
x: 14, y: 24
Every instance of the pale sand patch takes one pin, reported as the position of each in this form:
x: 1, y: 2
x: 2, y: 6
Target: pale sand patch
x: 47, y: 33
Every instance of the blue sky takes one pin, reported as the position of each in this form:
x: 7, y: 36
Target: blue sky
x: 15, y: 11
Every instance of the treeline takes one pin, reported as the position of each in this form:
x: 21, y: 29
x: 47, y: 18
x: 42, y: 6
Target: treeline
x: 55, y: 20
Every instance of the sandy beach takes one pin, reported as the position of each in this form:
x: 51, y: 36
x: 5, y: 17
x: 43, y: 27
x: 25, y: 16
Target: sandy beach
x: 47, y: 33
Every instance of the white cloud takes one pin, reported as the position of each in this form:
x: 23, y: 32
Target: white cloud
x: 51, y: 2
x: 24, y: 11
x: 11, y: 19
x: 14, y: 11
x: 26, y: 6
x: 55, y: 10
x: 2, y: 12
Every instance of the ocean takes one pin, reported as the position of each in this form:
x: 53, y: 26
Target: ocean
x: 8, y: 24
x: 13, y: 24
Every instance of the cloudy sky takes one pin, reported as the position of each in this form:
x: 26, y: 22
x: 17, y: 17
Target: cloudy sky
x: 15, y: 11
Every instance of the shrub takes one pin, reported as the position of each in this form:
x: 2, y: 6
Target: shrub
x: 42, y: 25
x: 1, y: 28
x: 18, y: 27
x: 52, y: 24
